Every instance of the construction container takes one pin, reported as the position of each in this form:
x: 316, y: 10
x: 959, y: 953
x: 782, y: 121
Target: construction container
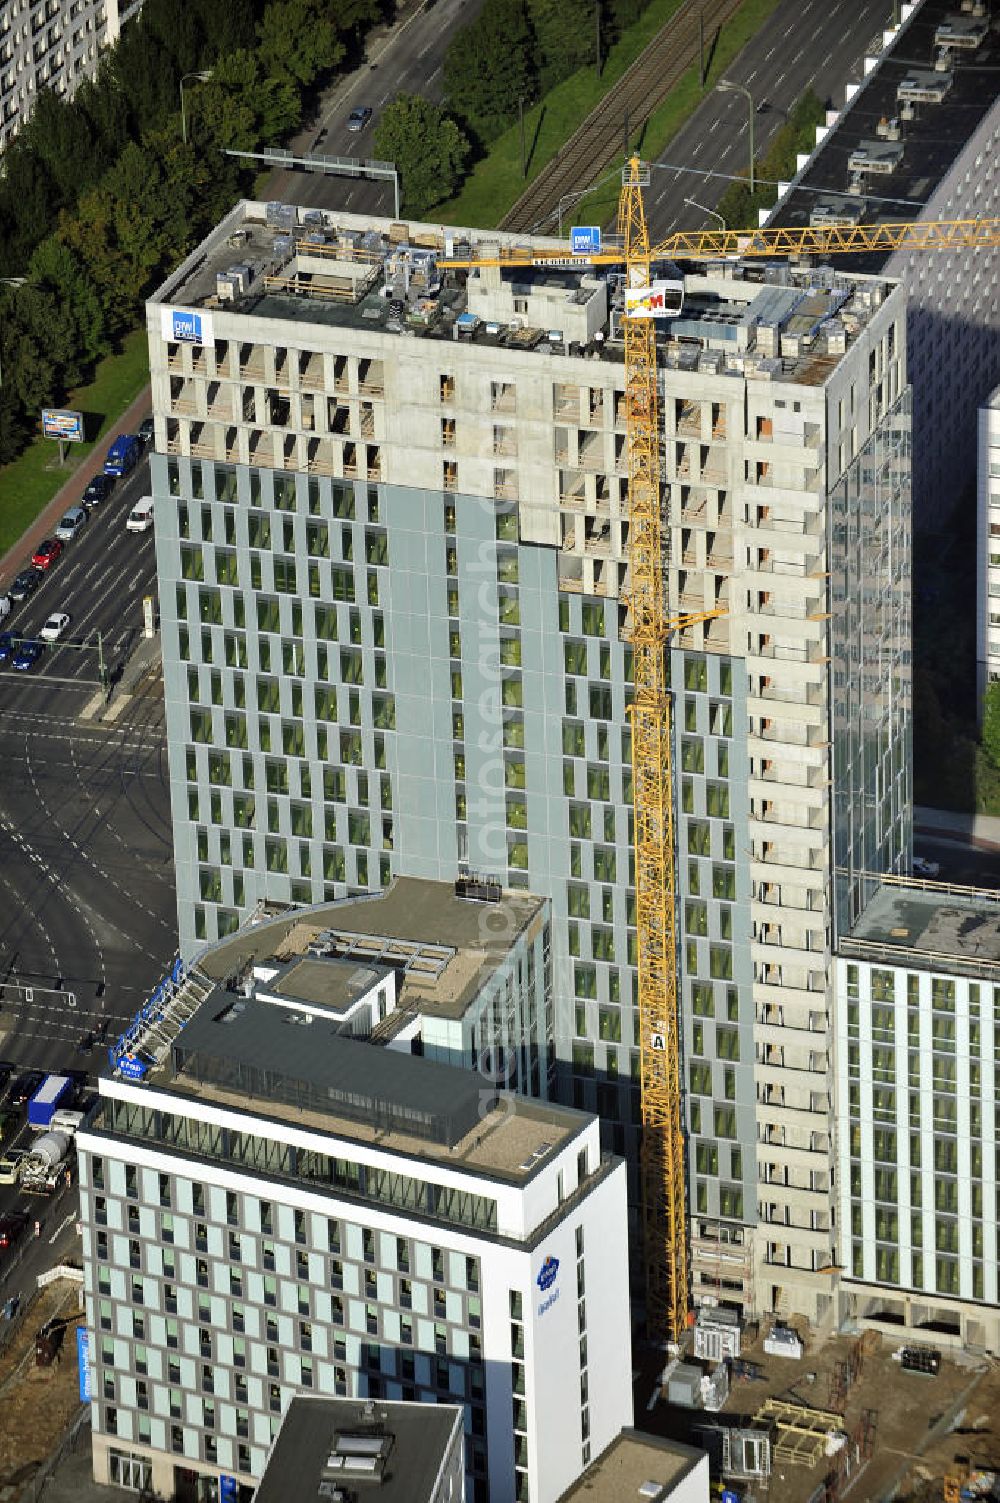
x: 684, y: 1386
x: 717, y: 1335
x: 782, y: 1341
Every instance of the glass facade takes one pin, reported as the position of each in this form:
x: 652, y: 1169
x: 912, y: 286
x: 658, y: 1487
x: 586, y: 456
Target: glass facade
x: 870, y: 583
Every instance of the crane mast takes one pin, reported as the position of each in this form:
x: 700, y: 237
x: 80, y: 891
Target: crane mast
x: 661, y: 1164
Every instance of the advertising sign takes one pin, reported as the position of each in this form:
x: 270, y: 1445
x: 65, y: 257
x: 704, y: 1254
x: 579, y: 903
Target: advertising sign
x: 186, y: 326
x: 585, y: 239
x: 655, y: 301
x: 228, y: 1490
x: 131, y: 1067
x: 83, y: 1362
x: 545, y: 1280
x: 60, y: 423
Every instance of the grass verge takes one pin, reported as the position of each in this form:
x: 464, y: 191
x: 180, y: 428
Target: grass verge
x: 28, y: 484
x: 495, y: 183
x: 601, y: 206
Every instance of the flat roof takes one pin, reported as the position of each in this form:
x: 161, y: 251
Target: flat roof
x: 406, y: 1444
x: 931, y: 924
x: 931, y: 141
x: 629, y: 1463
x: 445, y: 946
x: 340, y: 283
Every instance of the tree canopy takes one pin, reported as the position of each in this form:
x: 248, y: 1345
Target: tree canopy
x: 99, y: 195
x: 429, y: 150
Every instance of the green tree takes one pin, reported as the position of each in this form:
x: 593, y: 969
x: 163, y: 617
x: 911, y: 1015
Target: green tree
x: 299, y: 40
x: 242, y: 109
x: 565, y: 36
x: 428, y: 148
x: 991, y: 723
x: 489, y: 66
x: 70, y: 306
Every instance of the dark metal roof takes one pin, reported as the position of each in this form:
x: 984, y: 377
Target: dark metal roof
x: 270, y: 1054
x: 932, y: 141
x: 416, y: 1439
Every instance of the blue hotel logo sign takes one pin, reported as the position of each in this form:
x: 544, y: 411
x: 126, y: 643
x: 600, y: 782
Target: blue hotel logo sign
x: 546, y: 1282
x: 187, y: 327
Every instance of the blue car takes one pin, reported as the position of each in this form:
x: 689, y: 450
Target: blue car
x: 7, y: 646
x: 27, y: 656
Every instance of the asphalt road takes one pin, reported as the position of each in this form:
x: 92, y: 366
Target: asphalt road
x: 964, y: 864
x: 803, y: 44
x: 411, y: 62
x: 87, y: 908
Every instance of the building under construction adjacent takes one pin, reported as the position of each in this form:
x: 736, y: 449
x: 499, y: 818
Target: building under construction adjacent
x: 393, y: 543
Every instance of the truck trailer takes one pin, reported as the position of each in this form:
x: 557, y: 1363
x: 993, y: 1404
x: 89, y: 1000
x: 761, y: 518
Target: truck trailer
x: 51, y: 1094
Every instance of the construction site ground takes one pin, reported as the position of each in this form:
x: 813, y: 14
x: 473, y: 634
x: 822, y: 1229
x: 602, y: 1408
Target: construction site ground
x: 921, y: 1424
x: 37, y: 1404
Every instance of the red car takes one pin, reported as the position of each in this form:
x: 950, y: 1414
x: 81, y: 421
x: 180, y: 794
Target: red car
x: 46, y: 553
x: 11, y: 1226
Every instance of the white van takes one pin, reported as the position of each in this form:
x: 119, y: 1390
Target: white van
x: 140, y: 518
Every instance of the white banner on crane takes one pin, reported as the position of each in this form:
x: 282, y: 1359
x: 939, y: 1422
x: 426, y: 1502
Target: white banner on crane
x: 658, y: 300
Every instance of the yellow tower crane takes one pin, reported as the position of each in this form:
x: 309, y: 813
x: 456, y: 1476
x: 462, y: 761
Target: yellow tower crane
x: 662, y: 1166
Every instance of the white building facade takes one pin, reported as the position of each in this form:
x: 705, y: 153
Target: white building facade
x: 988, y: 546
x: 917, y: 1116
x: 50, y: 44
x: 235, y: 1257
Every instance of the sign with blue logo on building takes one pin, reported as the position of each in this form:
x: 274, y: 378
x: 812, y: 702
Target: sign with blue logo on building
x: 131, y: 1066
x: 228, y: 1489
x: 728, y: 1496
x: 585, y: 239
x: 186, y: 326
x: 547, y: 1274
x: 83, y: 1362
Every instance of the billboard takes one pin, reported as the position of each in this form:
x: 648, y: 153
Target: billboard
x: 57, y: 422
x: 186, y: 326
x: 83, y: 1362
x: 658, y: 300
x: 585, y: 239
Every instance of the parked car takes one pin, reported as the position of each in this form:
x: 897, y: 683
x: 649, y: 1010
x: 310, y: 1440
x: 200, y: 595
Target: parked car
x: 72, y: 522
x: 924, y: 868
x: 26, y: 584
x: 54, y: 627
x: 10, y: 1165
x: 46, y: 554
x: 146, y: 432
x: 98, y: 490
x: 140, y: 518
x: 6, y: 1071
x: 12, y: 1224
x: 25, y: 1086
x: 4, y: 606
x: 123, y: 455
x: 9, y: 1124
x: 8, y: 645
x: 27, y: 656
x: 359, y: 118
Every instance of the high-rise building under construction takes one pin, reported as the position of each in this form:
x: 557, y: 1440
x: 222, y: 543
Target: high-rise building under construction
x: 392, y: 541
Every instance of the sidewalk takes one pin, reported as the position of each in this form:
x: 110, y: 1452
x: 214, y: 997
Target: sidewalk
x: 981, y: 830
x: 69, y: 493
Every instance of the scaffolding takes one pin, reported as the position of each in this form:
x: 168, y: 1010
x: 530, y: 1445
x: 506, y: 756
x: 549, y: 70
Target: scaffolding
x: 845, y: 1374
x: 801, y: 1434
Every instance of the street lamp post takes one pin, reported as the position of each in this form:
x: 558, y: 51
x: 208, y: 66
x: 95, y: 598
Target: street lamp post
x: 202, y: 77
x: 736, y: 88
x: 706, y: 210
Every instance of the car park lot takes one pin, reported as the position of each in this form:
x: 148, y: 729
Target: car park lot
x: 98, y: 578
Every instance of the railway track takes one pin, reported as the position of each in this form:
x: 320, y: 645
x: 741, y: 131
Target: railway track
x: 594, y: 146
